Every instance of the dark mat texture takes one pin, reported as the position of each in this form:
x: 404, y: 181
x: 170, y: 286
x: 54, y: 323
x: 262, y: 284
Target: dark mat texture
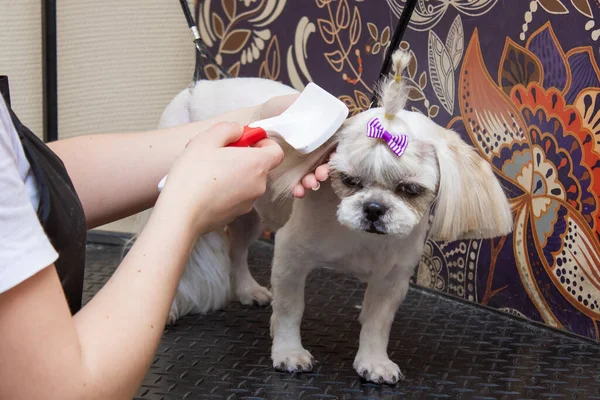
x: 446, y: 349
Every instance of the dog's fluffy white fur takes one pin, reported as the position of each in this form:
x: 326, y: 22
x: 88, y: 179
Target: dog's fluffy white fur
x: 371, y: 218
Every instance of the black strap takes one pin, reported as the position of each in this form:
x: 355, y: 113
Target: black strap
x: 202, y: 51
x: 60, y: 211
x: 5, y: 89
x: 398, y: 34
x: 50, y: 70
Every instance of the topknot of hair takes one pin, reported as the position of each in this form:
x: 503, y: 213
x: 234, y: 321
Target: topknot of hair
x: 393, y: 90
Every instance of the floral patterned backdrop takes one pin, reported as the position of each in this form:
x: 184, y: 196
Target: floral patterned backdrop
x: 518, y: 79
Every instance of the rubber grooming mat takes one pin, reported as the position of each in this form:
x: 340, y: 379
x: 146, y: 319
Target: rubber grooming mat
x: 446, y: 349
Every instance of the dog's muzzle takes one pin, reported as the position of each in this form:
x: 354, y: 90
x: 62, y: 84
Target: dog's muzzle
x: 373, y: 212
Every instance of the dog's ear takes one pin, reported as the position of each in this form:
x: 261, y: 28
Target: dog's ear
x: 470, y: 202
x: 295, y: 165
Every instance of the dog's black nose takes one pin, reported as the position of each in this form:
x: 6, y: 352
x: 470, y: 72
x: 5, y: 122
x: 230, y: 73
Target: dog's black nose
x: 374, y: 211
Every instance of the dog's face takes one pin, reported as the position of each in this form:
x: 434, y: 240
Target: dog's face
x: 390, y: 195
x: 380, y: 192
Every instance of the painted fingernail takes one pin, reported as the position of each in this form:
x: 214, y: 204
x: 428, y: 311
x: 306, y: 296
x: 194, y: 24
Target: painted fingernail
x: 318, y: 186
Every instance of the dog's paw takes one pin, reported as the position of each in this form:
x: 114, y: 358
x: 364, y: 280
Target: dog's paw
x: 378, y: 369
x: 292, y: 360
x: 253, y: 294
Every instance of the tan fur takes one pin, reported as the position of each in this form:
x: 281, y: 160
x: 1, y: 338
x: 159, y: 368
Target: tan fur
x: 294, y: 166
x: 470, y: 200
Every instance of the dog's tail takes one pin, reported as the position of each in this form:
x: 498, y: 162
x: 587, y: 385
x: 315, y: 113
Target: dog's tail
x: 295, y: 165
x: 205, y: 285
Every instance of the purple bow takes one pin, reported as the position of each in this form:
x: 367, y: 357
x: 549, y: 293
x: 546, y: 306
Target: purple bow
x: 397, y: 143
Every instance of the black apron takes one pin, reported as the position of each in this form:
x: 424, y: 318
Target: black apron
x: 60, y: 212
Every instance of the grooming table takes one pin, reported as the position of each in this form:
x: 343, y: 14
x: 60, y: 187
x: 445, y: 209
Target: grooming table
x: 447, y: 349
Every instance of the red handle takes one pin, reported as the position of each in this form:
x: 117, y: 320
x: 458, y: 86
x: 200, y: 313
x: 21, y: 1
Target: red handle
x: 249, y: 137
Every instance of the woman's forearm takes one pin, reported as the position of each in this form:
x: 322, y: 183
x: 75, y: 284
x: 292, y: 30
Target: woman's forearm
x: 122, y: 170
x: 104, y: 351
x: 120, y: 328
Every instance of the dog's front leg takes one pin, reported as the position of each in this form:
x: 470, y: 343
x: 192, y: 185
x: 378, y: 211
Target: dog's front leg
x: 382, y: 299
x: 288, y: 278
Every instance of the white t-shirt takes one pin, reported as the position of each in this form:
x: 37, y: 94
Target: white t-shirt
x: 24, y: 247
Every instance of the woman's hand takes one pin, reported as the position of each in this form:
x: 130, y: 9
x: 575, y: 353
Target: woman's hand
x: 210, y: 184
x: 275, y: 106
x: 312, y: 181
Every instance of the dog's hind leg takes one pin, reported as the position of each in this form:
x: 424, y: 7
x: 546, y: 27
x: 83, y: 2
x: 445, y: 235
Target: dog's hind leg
x: 243, y: 231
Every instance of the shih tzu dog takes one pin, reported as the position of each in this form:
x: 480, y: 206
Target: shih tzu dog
x: 397, y: 179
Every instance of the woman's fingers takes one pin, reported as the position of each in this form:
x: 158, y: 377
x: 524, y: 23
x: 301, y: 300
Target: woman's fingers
x: 219, y: 135
x: 313, y: 181
x: 322, y: 172
x: 276, y: 105
x: 310, y: 182
x: 272, y: 152
x: 299, y: 191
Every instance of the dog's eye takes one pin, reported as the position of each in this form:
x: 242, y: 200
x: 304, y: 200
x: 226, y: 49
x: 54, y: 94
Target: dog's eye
x: 411, y: 189
x: 350, y: 181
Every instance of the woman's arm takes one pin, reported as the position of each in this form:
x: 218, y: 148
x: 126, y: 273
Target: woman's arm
x: 104, y: 351
x: 116, y: 175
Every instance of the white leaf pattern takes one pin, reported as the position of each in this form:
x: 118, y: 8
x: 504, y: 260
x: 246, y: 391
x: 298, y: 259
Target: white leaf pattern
x: 441, y: 72
x: 428, y: 13
x: 525, y: 272
x: 415, y: 109
x: 298, y: 49
x: 578, y: 271
x: 455, y: 42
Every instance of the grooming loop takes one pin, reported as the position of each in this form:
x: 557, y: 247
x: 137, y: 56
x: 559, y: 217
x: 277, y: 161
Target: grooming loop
x: 403, y: 21
x: 203, y: 55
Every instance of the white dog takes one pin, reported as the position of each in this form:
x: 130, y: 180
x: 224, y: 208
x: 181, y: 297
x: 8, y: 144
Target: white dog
x: 370, y: 219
